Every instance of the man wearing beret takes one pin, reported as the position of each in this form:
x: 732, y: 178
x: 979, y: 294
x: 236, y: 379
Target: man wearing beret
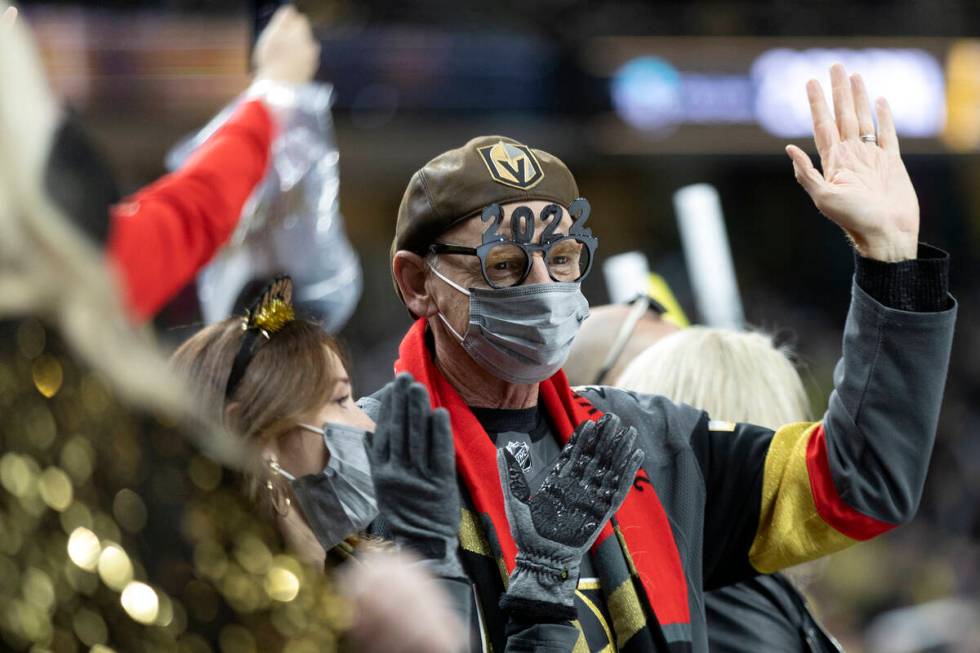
x: 491, y: 244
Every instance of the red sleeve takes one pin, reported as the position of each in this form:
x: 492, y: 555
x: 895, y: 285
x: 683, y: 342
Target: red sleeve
x: 164, y: 234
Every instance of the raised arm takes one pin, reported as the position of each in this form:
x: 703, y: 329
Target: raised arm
x: 807, y: 490
x: 162, y: 235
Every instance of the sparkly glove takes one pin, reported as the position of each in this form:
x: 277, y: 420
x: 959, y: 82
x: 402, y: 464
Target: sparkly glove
x: 413, y: 463
x: 554, y: 528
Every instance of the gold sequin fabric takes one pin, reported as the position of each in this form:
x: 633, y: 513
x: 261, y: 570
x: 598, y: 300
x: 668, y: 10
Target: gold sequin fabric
x: 118, y: 536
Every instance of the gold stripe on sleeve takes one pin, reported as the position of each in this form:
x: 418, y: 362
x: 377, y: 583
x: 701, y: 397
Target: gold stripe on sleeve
x: 790, y: 529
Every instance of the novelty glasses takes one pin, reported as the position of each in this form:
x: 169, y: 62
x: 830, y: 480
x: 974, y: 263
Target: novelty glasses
x: 506, y: 262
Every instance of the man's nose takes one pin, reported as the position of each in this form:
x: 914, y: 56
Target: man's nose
x: 539, y: 271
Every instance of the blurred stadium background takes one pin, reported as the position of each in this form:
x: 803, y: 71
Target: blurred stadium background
x: 640, y: 99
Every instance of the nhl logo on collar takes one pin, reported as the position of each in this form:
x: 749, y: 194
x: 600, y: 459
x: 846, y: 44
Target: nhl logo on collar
x: 511, y: 164
x: 521, y: 453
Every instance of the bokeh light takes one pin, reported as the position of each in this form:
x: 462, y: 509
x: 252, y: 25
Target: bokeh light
x: 646, y: 93
x: 84, y: 548
x: 48, y: 375
x: 56, y: 489
x: 18, y: 474
x: 115, y: 568
x: 281, y: 584
x: 90, y: 627
x: 38, y: 589
x: 129, y: 510
x: 140, y: 602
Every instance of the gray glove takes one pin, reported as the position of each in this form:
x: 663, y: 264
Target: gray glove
x: 554, y: 528
x: 413, y: 463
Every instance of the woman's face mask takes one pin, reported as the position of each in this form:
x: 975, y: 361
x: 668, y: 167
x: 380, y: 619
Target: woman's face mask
x: 339, y: 501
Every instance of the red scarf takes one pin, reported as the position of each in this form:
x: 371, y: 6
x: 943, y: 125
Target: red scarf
x: 642, y: 520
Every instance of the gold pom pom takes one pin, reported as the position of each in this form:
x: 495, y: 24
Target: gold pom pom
x: 274, y: 308
x: 274, y: 315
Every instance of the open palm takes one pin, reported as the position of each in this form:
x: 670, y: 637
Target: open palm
x: 864, y: 188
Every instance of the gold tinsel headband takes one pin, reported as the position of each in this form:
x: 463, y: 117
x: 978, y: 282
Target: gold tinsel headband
x: 268, y: 314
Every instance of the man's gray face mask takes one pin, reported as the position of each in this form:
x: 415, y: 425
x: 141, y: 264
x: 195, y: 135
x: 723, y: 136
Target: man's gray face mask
x: 521, y: 334
x: 339, y: 501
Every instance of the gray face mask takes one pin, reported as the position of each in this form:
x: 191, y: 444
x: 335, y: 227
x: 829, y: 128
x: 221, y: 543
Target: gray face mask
x: 339, y: 501
x: 521, y: 334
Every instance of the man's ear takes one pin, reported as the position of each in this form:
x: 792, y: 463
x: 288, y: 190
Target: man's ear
x: 410, y: 274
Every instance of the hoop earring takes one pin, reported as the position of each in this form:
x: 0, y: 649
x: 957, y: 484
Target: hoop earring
x: 278, y: 497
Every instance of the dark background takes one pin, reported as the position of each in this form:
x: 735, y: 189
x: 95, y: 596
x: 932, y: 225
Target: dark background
x: 416, y: 78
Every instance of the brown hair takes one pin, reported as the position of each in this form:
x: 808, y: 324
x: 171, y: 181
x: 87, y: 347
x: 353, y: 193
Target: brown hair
x: 289, y: 375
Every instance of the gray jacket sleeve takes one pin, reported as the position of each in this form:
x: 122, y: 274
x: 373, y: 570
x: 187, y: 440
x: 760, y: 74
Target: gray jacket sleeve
x: 882, y: 416
x: 775, y: 499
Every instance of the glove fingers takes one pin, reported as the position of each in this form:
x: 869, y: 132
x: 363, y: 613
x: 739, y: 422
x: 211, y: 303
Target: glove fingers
x: 417, y: 415
x: 380, y: 449
x: 621, y: 474
x: 608, y: 425
x: 608, y: 487
x: 586, y: 468
x: 619, y: 466
x: 442, y: 451
x: 582, y: 452
x: 599, y: 460
x: 398, y: 417
x: 612, y: 499
x: 571, y: 451
x: 623, y: 450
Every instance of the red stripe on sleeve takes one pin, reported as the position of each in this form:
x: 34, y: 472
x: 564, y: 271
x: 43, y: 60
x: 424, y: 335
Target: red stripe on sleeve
x: 830, y: 506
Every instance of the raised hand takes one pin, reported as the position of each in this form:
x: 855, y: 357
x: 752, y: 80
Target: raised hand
x: 555, y: 527
x: 413, y: 463
x: 286, y: 50
x: 864, y: 187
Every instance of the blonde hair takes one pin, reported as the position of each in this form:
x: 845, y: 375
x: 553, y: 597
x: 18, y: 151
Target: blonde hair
x: 48, y: 269
x: 734, y: 376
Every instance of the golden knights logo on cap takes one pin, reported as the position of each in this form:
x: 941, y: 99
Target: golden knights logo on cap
x: 512, y: 164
